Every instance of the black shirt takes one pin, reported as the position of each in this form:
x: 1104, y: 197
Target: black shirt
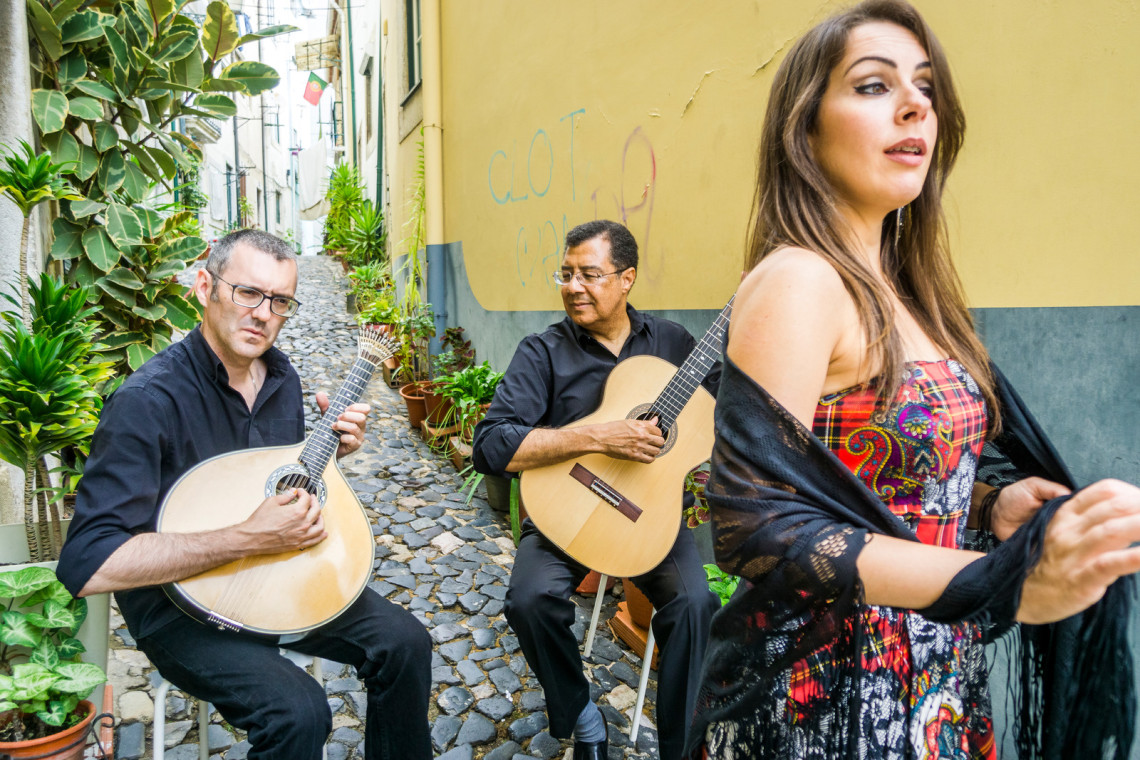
x: 177, y: 410
x: 557, y: 376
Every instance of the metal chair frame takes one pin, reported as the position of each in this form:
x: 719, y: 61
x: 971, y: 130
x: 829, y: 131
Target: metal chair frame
x: 646, y: 662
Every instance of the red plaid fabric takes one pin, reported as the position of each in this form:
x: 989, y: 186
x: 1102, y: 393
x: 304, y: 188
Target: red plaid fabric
x: 936, y: 416
x: 920, y: 456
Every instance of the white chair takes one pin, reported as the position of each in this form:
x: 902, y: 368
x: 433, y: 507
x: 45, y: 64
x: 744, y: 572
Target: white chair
x: 646, y: 662
x: 302, y: 661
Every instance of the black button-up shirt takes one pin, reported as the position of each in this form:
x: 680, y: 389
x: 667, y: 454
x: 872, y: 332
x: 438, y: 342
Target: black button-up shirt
x: 177, y: 410
x: 558, y: 376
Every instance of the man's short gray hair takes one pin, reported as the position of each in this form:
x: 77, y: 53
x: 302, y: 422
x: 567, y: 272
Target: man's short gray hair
x: 262, y: 241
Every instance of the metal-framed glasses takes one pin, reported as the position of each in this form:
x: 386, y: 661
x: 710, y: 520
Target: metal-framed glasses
x: 586, y: 278
x: 251, y: 298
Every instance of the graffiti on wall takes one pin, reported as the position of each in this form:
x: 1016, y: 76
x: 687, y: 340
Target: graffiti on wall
x: 528, y: 172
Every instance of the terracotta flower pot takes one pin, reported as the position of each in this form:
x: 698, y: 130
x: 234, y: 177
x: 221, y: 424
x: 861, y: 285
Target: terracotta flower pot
x: 438, y: 406
x: 65, y: 745
x: 414, y: 401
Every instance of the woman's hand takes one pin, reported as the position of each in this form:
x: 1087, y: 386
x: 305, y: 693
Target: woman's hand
x: 1088, y: 545
x: 1019, y: 501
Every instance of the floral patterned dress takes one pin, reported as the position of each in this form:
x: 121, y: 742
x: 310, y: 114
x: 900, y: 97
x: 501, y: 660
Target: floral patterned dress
x: 923, y: 684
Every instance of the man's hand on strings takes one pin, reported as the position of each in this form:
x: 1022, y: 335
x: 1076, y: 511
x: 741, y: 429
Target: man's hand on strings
x: 350, y: 424
x: 638, y: 440
x: 284, y: 522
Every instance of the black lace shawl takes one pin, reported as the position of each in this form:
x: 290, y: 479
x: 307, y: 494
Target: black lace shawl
x: 790, y: 518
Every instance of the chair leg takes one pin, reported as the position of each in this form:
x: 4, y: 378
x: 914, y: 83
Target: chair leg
x: 203, y: 730
x: 159, y: 723
x: 598, y: 599
x: 645, y: 665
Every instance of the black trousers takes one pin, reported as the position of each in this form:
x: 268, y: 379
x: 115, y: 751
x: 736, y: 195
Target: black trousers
x: 541, y: 613
x: 283, y: 710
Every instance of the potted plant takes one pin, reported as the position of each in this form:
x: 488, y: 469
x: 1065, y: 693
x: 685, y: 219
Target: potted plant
x: 415, y: 328
x: 366, y: 240
x: 470, y: 390
x: 369, y: 282
x: 43, y: 684
x: 457, y: 354
x: 50, y: 382
x: 29, y: 181
x: 345, y: 192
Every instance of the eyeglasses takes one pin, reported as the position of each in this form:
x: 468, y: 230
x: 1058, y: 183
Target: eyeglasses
x: 251, y: 298
x: 586, y: 278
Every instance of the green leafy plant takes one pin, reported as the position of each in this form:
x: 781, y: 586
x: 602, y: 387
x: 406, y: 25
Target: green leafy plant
x: 415, y: 327
x: 367, y: 240
x: 42, y: 677
x: 188, y: 191
x: 721, y: 583
x: 290, y: 237
x: 368, y: 280
x: 50, y: 382
x: 457, y: 353
x: 379, y: 311
x: 111, y: 79
x: 470, y: 390
x: 28, y: 181
x: 246, y: 213
x: 695, y: 482
x: 345, y: 192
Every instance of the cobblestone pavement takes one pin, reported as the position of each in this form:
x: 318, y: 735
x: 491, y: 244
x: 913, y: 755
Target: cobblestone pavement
x: 446, y: 560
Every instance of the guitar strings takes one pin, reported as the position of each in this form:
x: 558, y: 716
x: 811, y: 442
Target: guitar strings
x: 249, y: 574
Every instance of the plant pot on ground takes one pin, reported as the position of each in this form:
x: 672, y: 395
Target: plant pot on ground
x: 498, y: 492
x: 43, y: 680
x: 68, y: 744
x: 414, y: 403
x: 438, y: 405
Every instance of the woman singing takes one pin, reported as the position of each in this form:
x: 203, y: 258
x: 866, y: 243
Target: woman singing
x: 852, y: 417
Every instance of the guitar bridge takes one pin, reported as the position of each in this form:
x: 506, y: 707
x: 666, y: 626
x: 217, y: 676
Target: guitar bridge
x: 606, y: 492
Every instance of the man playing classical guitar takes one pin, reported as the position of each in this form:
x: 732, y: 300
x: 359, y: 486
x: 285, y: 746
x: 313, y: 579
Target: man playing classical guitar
x: 224, y: 388
x: 555, y: 378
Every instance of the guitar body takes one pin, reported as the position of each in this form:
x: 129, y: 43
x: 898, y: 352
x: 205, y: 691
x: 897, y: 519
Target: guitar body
x: 588, y: 526
x: 274, y: 594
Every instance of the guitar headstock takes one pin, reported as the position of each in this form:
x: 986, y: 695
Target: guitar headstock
x: 375, y: 343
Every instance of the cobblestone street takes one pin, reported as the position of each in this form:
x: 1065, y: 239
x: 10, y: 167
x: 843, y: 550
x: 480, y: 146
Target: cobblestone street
x: 445, y: 560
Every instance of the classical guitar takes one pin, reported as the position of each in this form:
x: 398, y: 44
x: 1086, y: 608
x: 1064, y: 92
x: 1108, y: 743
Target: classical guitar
x: 290, y: 592
x: 617, y: 516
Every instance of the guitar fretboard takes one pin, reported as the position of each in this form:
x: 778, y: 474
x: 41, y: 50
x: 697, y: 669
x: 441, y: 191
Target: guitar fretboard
x: 323, y: 441
x: 680, y: 389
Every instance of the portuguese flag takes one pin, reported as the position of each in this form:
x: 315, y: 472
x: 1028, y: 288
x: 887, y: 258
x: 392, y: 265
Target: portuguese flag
x: 314, y: 88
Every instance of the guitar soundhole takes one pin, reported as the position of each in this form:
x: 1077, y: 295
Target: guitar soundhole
x: 294, y: 476
x: 645, y: 412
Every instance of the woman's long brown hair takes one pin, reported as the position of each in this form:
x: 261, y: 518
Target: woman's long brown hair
x: 795, y: 205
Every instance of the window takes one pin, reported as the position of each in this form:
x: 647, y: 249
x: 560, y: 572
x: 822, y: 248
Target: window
x: 415, y: 36
x: 278, y: 201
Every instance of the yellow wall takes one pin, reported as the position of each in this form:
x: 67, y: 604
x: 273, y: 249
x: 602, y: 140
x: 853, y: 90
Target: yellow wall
x: 649, y: 112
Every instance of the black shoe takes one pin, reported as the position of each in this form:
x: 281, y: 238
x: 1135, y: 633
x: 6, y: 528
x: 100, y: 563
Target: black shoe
x: 594, y: 750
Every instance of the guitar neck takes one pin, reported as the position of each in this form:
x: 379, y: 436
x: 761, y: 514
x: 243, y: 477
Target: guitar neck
x: 323, y: 441
x: 698, y: 363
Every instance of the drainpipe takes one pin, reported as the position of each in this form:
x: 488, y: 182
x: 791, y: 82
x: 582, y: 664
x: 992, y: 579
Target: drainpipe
x: 433, y: 163
x: 347, y: 16
x: 237, y: 173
